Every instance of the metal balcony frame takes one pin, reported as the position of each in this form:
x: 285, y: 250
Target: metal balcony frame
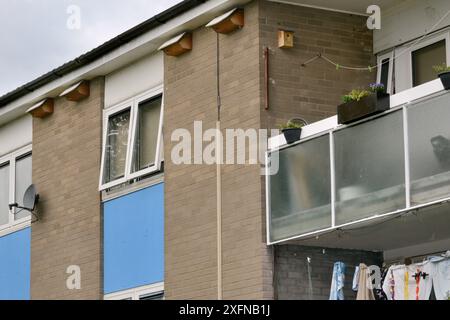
x: 399, y: 103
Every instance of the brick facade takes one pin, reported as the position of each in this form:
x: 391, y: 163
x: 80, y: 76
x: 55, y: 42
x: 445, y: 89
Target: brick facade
x: 292, y: 281
x: 190, y: 84
x: 314, y: 91
x: 66, y: 162
x: 67, y: 152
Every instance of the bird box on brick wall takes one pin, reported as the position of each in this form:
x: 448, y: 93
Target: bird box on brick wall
x: 285, y: 39
x: 77, y: 92
x: 178, y: 45
x: 42, y: 109
x: 228, y: 22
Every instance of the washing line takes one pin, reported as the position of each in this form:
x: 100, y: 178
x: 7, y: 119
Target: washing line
x: 371, y: 68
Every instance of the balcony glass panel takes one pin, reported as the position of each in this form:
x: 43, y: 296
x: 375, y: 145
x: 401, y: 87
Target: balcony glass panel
x: 301, y: 190
x: 370, y: 170
x: 429, y: 149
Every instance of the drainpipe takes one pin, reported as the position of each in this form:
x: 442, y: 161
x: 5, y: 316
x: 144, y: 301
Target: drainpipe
x: 266, y: 78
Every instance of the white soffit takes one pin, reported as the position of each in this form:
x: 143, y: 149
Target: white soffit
x: 220, y: 18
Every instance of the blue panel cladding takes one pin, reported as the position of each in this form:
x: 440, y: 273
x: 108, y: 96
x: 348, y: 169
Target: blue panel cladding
x: 134, y: 240
x: 15, y: 265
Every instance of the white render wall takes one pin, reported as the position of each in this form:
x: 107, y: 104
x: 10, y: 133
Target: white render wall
x: 407, y: 20
x: 134, y: 79
x: 16, y: 134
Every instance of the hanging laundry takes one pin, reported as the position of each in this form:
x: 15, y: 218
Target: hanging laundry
x: 365, y: 290
x: 440, y: 273
x: 378, y: 291
x: 337, y: 282
x: 355, y: 279
x: 412, y: 282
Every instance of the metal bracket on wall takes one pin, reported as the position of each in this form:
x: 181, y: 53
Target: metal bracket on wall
x: 266, y: 77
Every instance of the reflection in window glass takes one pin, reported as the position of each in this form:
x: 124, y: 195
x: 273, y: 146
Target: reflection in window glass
x: 153, y: 296
x: 116, y: 146
x: 144, y: 153
x: 424, y: 59
x: 23, y: 181
x: 384, y: 78
x: 301, y: 190
x: 429, y: 149
x: 370, y: 171
x: 4, y: 194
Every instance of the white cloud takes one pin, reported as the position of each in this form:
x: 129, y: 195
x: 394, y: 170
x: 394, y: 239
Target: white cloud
x: 34, y: 37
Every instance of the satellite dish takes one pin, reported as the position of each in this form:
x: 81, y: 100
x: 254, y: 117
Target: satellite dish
x: 30, y: 198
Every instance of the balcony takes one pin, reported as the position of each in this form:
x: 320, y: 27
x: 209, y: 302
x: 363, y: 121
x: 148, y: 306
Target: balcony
x: 395, y: 164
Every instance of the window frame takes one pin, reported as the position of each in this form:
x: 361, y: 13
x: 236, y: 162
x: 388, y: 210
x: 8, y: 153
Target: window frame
x: 157, y: 165
x: 425, y: 43
x: 134, y: 294
x: 433, y: 40
x: 10, y: 159
x: 133, y: 105
x: 380, y: 59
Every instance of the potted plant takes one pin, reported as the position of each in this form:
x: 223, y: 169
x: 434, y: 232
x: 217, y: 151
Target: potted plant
x: 443, y: 72
x: 359, y: 104
x: 292, y: 131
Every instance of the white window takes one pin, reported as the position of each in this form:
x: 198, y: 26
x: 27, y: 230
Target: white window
x: 15, y: 178
x: 385, y: 70
x: 132, y: 139
x: 414, y: 61
x: 150, y: 292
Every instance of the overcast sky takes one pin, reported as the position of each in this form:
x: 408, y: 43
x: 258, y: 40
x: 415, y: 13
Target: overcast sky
x: 35, y: 38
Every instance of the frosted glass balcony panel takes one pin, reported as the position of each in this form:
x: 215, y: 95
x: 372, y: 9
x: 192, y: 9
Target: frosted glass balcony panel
x: 370, y: 170
x: 301, y: 190
x: 429, y: 149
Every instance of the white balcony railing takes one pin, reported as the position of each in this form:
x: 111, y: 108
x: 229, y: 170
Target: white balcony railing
x: 337, y: 176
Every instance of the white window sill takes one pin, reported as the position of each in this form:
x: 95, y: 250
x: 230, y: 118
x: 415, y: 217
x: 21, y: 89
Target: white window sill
x: 16, y: 226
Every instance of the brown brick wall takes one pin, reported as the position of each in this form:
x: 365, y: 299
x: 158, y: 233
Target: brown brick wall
x: 66, y: 162
x: 191, y: 268
x: 312, y: 92
x: 292, y: 280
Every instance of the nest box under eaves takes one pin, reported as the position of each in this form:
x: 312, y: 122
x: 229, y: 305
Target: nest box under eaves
x: 228, y: 22
x: 178, y: 45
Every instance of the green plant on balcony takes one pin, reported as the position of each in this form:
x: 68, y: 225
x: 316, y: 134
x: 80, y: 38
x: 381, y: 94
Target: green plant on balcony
x: 441, y: 68
x: 292, y: 130
x: 291, y: 125
x: 377, y: 88
x: 443, y: 72
x: 362, y: 103
x: 355, y: 95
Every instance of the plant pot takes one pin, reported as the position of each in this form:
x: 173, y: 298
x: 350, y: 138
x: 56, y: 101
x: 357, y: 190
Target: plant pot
x: 292, y: 134
x: 368, y: 106
x: 445, y: 79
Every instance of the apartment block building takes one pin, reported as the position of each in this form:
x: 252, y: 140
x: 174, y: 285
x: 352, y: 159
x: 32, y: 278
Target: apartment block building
x: 119, y: 218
